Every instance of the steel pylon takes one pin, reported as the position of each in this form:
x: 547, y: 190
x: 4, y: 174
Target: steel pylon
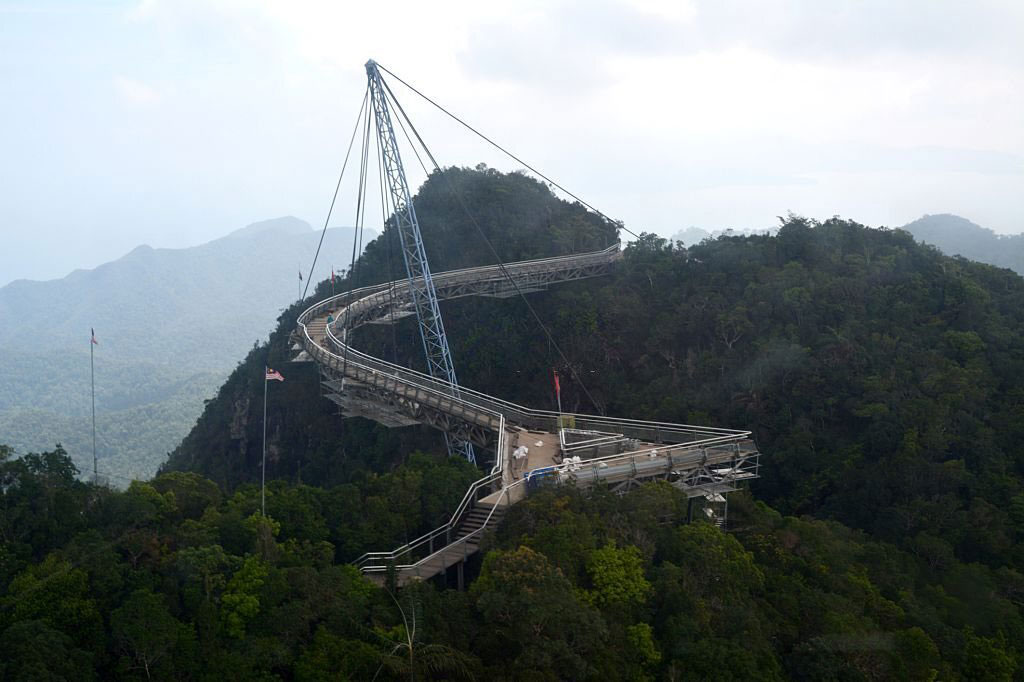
x: 417, y: 269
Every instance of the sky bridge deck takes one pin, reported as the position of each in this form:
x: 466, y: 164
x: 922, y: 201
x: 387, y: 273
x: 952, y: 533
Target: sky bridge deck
x: 576, y: 449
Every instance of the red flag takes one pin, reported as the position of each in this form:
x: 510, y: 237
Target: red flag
x: 93, y: 339
x: 332, y: 274
x: 558, y: 387
x: 273, y: 375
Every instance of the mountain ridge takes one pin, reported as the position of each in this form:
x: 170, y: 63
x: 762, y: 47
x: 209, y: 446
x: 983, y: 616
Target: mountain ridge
x: 958, y: 236
x: 169, y: 326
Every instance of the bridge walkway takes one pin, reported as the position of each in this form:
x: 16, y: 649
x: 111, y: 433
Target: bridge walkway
x: 574, y: 449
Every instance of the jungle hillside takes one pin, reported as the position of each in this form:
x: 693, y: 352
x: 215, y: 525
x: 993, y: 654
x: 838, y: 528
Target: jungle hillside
x: 885, y: 539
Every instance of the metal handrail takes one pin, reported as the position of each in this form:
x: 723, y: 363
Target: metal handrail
x: 505, y: 492
x: 495, y: 409
x: 545, y: 419
x: 594, y: 464
x: 495, y: 405
x: 444, y: 530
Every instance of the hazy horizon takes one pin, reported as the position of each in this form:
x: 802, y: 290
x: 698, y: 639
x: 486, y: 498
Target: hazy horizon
x: 370, y: 232
x: 174, y: 123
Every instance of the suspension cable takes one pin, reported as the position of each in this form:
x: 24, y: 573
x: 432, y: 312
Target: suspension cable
x: 439, y: 246
x: 309, y: 275
x: 356, y: 240
x: 391, y: 98
x: 617, y: 223
x: 490, y: 246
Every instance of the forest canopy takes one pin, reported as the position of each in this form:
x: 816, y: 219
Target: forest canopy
x: 880, y: 378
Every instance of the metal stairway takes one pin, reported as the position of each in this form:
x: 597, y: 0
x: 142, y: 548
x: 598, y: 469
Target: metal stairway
x: 465, y: 542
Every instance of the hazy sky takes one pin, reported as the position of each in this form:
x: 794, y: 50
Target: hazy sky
x: 174, y: 122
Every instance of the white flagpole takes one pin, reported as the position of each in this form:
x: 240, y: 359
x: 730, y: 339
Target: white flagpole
x: 92, y: 374
x: 263, y: 482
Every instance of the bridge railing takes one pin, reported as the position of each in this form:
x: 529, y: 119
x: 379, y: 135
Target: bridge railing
x: 488, y: 410
x: 444, y: 535
x: 543, y: 420
x: 531, y: 419
x: 457, y: 549
x: 639, y: 464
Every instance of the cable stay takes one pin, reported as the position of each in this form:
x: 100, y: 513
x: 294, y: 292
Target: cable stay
x: 506, y: 152
x: 380, y: 102
x: 531, y: 447
x: 490, y: 246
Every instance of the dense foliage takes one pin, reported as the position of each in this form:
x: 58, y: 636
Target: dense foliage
x: 143, y: 409
x: 173, y: 579
x: 885, y: 539
x: 881, y: 378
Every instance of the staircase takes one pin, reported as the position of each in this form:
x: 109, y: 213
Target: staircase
x: 475, y: 520
x: 458, y: 550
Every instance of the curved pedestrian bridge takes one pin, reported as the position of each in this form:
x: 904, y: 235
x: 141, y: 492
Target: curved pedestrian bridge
x: 532, y: 448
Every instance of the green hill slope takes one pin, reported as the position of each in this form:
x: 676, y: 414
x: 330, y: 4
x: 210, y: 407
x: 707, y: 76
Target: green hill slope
x: 171, y: 324
x: 880, y: 378
x: 523, y: 220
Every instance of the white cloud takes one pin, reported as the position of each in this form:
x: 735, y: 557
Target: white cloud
x: 664, y: 113
x: 135, y: 92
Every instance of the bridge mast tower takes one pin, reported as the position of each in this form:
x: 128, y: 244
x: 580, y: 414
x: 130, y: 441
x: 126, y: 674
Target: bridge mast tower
x: 417, y: 270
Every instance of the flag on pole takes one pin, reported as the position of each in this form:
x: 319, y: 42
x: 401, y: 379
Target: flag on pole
x: 93, y: 339
x: 332, y: 275
x: 273, y: 375
x: 300, y: 275
x: 558, y: 395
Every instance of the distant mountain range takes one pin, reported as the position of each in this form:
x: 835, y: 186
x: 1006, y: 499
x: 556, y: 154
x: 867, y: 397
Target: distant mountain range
x: 171, y: 324
x: 953, y: 235
x: 957, y: 236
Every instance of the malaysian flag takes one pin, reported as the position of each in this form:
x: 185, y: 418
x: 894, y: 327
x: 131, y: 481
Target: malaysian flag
x: 273, y: 375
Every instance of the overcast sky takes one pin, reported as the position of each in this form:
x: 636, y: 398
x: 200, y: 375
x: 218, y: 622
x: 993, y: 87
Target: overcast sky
x: 172, y: 123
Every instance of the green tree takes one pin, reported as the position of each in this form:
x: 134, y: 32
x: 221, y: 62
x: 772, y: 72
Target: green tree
x: 533, y: 621
x: 240, y: 602
x: 987, y: 659
x: 149, y: 637
x: 618, y: 578
x: 32, y: 650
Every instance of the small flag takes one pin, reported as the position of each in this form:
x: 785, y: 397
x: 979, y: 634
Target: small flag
x: 300, y: 275
x: 93, y: 339
x: 274, y: 375
x: 332, y: 275
x: 558, y: 386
